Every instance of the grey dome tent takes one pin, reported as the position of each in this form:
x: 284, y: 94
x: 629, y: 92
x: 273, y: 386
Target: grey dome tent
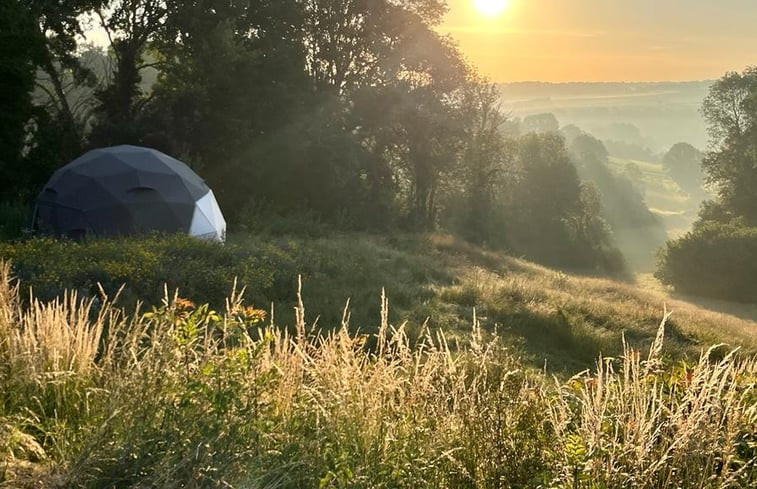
x: 126, y: 190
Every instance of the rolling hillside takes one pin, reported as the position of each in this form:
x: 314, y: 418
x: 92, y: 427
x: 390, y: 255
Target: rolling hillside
x: 554, y: 317
x: 381, y: 384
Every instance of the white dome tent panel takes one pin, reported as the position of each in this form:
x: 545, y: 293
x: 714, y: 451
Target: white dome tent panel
x: 208, y: 221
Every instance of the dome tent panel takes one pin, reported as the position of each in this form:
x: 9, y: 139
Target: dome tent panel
x: 71, y: 222
x: 124, y: 190
x: 208, y: 221
x: 160, y: 216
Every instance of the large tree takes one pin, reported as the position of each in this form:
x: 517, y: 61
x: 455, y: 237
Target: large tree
x: 555, y: 218
x: 486, y: 160
x: 356, y: 43
x: 40, y: 70
x: 731, y: 161
x: 18, y: 63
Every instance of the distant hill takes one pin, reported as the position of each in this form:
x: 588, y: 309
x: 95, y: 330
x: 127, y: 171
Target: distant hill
x: 656, y: 115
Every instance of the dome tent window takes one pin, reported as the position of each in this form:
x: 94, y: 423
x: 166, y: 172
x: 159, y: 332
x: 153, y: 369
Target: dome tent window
x: 127, y: 190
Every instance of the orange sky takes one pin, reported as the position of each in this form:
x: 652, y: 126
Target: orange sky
x: 607, y: 40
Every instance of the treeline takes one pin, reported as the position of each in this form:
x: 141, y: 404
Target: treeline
x: 716, y: 258
x: 358, y: 113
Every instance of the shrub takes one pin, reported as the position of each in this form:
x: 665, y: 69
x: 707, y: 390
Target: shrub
x: 201, y: 271
x: 14, y: 219
x: 715, y: 260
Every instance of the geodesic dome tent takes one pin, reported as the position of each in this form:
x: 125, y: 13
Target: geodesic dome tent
x: 127, y: 190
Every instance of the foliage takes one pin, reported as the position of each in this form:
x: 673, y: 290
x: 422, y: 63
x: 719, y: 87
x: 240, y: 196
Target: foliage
x: 357, y: 113
x: 638, y: 232
x: 486, y: 166
x: 731, y: 113
x: 684, y: 163
x: 554, y: 219
x: 131, y: 26
x: 184, y: 396
x: 17, y: 75
x: 714, y: 260
x: 14, y: 220
x: 567, y: 320
x: 144, y: 266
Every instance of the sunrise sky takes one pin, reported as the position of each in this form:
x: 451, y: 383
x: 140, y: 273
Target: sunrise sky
x: 606, y: 40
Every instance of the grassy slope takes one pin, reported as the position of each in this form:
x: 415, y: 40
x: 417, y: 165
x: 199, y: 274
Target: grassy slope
x: 185, y: 398
x: 562, y: 319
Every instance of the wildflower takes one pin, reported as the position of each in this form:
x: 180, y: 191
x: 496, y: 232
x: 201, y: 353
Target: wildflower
x: 184, y: 304
x: 254, y: 315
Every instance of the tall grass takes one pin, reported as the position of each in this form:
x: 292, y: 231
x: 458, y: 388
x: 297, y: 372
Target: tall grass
x: 182, y: 396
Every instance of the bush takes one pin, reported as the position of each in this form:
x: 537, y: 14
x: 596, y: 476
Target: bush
x: 200, y: 270
x: 345, y: 266
x: 715, y: 260
x: 14, y: 218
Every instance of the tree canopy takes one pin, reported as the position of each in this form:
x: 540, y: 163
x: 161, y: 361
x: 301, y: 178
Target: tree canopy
x: 356, y: 112
x: 731, y: 161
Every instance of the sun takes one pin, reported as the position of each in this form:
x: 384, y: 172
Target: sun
x: 491, y: 8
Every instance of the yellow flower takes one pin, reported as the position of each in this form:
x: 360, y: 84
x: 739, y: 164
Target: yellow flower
x: 254, y: 315
x: 184, y: 304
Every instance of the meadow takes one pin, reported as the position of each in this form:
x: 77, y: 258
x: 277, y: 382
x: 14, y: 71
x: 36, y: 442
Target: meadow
x: 471, y: 369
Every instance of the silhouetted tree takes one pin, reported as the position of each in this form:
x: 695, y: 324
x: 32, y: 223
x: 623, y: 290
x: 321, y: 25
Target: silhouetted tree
x: 40, y: 65
x: 731, y: 162
x: 684, y: 164
x: 19, y: 59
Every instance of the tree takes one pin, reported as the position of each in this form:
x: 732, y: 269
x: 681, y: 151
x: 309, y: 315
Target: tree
x: 394, y: 76
x: 58, y: 27
x: 232, y: 98
x: 715, y: 259
x: 131, y: 25
x: 684, y: 164
x: 546, y: 202
x: 638, y: 231
x: 40, y: 124
x: 355, y: 43
x: 486, y: 160
x: 540, y: 124
x: 730, y: 110
x: 18, y: 61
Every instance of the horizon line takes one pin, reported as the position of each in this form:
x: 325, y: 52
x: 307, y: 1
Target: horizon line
x: 597, y: 82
